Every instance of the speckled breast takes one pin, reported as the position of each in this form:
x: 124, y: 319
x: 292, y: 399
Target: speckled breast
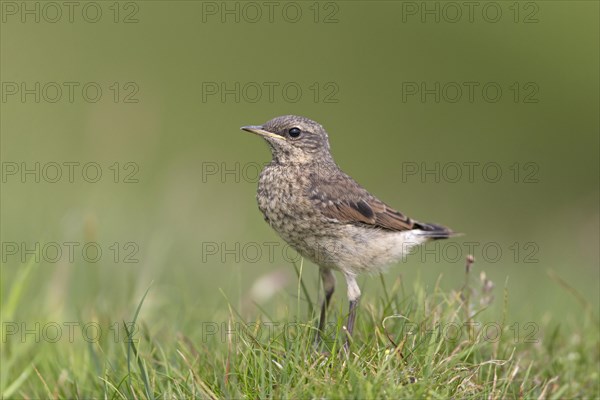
x: 282, y: 200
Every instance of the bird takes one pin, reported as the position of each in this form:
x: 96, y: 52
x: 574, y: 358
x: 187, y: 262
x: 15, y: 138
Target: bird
x: 326, y: 215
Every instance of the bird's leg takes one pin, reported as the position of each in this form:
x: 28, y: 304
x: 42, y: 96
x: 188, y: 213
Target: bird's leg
x: 353, y: 297
x: 328, y: 286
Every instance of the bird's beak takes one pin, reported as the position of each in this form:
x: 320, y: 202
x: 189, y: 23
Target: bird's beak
x: 258, y: 130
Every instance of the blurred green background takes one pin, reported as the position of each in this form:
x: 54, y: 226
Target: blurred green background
x: 353, y: 61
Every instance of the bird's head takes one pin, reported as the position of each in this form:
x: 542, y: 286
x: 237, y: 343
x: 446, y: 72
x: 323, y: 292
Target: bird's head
x: 294, y: 139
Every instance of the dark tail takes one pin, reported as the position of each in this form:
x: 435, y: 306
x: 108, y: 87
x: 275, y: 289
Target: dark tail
x: 434, y: 231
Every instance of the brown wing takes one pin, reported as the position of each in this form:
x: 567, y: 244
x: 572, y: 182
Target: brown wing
x: 341, y: 198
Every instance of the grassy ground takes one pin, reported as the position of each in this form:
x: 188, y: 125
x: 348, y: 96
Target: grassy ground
x: 408, y: 343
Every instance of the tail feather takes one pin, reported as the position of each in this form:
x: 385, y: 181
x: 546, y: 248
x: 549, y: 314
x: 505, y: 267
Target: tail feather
x: 434, y: 231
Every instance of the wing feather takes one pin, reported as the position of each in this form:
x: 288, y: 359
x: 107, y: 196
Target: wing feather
x: 341, y: 198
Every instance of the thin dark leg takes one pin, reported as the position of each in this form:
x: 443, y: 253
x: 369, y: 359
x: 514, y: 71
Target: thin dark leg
x: 350, y: 324
x: 328, y: 286
x: 353, y: 297
x: 324, y: 307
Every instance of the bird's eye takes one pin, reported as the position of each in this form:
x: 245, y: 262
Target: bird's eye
x: 294, y: 132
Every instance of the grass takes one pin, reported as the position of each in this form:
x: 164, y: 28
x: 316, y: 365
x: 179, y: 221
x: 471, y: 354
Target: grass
x: 408, y: 343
